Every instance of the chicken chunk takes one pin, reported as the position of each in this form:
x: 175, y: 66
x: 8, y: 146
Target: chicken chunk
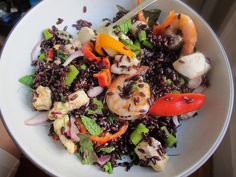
x: 153, y: 153
x: 76, y: 100
x: 42, y: 98
x: 58, y: 124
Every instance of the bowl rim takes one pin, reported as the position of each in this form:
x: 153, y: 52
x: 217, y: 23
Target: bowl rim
x: 189, y: 170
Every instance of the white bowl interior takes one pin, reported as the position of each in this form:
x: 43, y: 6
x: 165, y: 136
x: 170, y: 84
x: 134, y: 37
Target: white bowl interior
x: 197, y: 137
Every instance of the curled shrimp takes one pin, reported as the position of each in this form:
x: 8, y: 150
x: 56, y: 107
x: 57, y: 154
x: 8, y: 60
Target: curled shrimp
x: 128, y: 97
x: 185, y: 24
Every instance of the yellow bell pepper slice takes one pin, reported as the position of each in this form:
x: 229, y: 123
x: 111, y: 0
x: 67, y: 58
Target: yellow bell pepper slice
x: 106, y: 41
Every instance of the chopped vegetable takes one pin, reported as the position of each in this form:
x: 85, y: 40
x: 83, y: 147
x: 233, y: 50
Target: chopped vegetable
x: 142, y: 36
x: 170, y: 139
x: 50, y: 53
x: 81, y: 126
x: 62, y: 55
x: 108, y: 168
x: 83, y: 67
x: 104, y: 77
x: 152, y: 15
x: 107, y: 149
x: 86, y: 150
x: 91, y: 125
x: 148, y: 44
x: 106, y: 63
x: 87, y: 51
x: 177, y: 104
x: 42, y: 56
x: 108, y: 137
x: 132, y: 47
x: 27, y: 80
x: 137, y: 135
x: 106, y: 41
x: 175, y: 91
x: 124, y: 27
x: 47, y: 34
x: 99, y: 106
x: 71, y: 75
x: 168, y: 81
x: 111, y: 119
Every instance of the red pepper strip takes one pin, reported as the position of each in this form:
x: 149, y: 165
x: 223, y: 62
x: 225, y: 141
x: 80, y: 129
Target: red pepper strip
x: 106, y: 63
x: 108, y: 137
x: 81, y: 126
x: 87, y: 51
x: 50, y: 53
x: 104, y: 77
x: 177, y: 104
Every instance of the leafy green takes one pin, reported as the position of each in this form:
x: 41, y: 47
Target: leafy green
x: 124, y: 27
x: 47, y: 34
x: 108, y: 168
x: 142, y: 35
x: 170, y: 139
x: 137, y: 135
x: 91, y: 126
x: 168, y: 81
x: 99, y: 106
x: 27, y: 80
x: 83, y: 67
x: 107, y: 149
x: 152, y: 16
x: 87, y: 154
x: 71, y: 75
x: 111, y: 119
x: 121, y: 9
x: 148, y: 44
x: 42, y: 56
x: 62, y: 55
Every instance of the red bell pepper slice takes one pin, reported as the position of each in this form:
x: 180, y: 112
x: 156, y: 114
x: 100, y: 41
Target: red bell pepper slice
x: 177, y: 104
x: 108, y: 137
x: 87, y: 51
x: 104, y: 77
x: 50, y: 53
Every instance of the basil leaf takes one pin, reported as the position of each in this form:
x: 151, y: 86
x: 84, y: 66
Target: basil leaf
x: 87, y: 154
x: 107, y: 149
x: 91, y: 125
x: 99, y: 106
x: 27, y: 80
x: 152, y: 16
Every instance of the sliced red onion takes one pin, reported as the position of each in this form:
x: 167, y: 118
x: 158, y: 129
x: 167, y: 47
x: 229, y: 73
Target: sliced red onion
x: 195, y: 83
x: 176, y: 121
x: 36, y: 50
x: 103, y: 159
x: 72, y: 57
x: 73, y: 130
x: 199, y: 89
x: 37, y: 120
x: 95, y: 91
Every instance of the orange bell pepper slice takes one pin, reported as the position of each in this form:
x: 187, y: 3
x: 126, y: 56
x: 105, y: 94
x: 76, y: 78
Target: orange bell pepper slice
x: 87, y: 51
x: 159, y: 29
x: 108, y: 137
x: 104, y: 77
x: 106, y: 41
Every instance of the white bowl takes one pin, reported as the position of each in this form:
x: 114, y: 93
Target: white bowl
x: 198, y: 138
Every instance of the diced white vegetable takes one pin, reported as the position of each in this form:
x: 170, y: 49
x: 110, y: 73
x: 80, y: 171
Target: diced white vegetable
x: 59, y: 110
x: 135, y: 26
x: 124, y: 65
x: 85, y: 35
x: 188, y: 115
x: 58, y: 124
x: 144, y: 151
x: 95, y: 91
x: 42, y: 98
x: 192, y: 66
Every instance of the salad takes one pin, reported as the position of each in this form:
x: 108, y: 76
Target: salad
x: 119, y: 92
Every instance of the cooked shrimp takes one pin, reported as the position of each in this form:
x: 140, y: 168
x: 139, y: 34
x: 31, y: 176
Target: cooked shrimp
x: 128, y: 98
x: 185, y: 24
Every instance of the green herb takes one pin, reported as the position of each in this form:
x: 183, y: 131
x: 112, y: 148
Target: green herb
x: 152, y: 16
x: 182, y: 81
x: 63, y: 35
x: 107, y: 149
x: 170, y: 139
x: 175, y: 91
x: 86, y: 149
x: 111, y: 119
x: 136, y: 88
x: 168, y: 81
x: 62, y: 55
x: 137, y: 43
x: 142, y: 36
x: 99, y: 106
x: 27, y: 80
x: 124, y: 27
x: 148, y: 44
x: 91, y: 126
x: 42, y: 56
x: 47, y: 34
x: 71, y: 75
x: 108, y: 168
x: 121, y: 9
x: 137, y: 135
x: 83, y: 67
